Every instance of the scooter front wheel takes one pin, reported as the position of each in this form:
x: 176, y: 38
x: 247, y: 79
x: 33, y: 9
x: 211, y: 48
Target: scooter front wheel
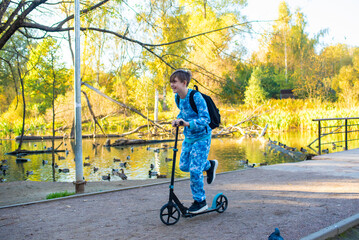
x: 221, y: 203
x: 170, y: 214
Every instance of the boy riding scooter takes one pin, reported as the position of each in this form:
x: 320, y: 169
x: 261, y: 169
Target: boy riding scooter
x: 197, y: 142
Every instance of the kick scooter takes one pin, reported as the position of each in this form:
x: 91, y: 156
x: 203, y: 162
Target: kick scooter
x: 171, y: 212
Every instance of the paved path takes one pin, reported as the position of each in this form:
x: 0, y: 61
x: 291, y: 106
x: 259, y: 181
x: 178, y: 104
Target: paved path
x: 341, y: 164
x: 298, y: 198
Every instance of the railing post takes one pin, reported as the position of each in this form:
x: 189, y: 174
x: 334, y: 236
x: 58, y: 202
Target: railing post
x: 346, y: 134
x: 319, y: 133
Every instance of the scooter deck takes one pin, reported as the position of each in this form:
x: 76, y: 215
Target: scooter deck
x: 213, y: 208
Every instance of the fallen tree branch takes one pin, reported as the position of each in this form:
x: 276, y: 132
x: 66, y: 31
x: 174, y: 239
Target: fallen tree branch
x: 125, y: 142
x: 248, y: 119
x: 23, y: 152
x: 239, y: 123
x: 123, y: 105
x: 133, y: 131
x: 93, y: 115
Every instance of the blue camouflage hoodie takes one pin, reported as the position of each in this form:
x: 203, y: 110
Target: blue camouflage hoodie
x: 198, y: 123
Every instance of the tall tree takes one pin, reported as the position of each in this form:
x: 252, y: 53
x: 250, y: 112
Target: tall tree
x: 333, y: 58
x: 44, y: 63
x: 204, y: 55
x: 158, y: 36
x: 292, y: 52
x: 276, y: 42
x: 348, y: 85
x: 14, y: 55
x: 346, y: 82
x: 255, y: 93
x: 232, y: 91
x: 212, y: 53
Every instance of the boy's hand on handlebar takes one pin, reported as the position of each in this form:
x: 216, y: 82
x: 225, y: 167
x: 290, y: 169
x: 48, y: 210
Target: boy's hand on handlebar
x: 179, y: 122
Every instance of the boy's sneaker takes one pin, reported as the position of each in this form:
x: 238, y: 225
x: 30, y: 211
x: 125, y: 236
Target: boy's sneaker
x: 198, y: 207
x: 211, y: 172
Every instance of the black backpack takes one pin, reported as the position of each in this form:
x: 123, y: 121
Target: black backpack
x: 212, y: 108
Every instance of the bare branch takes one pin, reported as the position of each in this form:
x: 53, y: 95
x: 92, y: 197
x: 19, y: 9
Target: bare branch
x: 59, y: 29
x: 165, y: 62
x: 58, y: 3
x: 12, y: 16
x: 3, y: 6
x: 84, y: 11
x: 25, y: 34
x: 198, y: 67
x: 18, y: 22
x: 145, y: 46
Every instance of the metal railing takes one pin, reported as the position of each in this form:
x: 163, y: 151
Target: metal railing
x: 337, y: 130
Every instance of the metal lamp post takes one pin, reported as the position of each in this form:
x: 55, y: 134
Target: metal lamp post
x: 79, y: 183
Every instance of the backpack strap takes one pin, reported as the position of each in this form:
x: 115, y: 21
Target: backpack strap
x: 177, y: 100
x: 191, y: 101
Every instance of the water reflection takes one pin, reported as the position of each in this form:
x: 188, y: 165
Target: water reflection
x: 228, y: 151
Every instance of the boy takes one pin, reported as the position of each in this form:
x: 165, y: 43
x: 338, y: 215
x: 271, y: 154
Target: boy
x: 197, y: 142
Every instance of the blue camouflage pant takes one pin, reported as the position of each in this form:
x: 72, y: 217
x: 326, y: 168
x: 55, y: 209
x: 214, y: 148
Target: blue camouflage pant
x: 194, y: 160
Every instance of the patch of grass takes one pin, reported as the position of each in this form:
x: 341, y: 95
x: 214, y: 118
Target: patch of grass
x: 59, y: 194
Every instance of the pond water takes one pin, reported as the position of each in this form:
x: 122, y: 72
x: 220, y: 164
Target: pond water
x: 228, y: 151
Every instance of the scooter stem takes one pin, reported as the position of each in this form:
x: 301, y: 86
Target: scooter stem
x: 175, y: 150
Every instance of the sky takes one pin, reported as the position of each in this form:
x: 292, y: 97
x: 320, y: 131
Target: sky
x: 340, y: 17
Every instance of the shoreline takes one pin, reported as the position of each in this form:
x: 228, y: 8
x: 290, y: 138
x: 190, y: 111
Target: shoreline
x: 20, y: 192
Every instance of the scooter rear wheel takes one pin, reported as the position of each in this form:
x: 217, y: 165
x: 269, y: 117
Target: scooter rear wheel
x: 170, y: 214
x: 221, y: 203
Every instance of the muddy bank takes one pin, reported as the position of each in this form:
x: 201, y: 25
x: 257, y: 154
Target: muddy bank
x: 29, y: 191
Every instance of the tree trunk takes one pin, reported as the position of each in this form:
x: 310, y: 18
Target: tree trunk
x: 53, y: 131
x: 70, y: 47
x: 72, y: 134
x: 24, y: 110
x: 164, y: 103
x: 285, y: 57
x: 156, y: 106
x: 204, y: 6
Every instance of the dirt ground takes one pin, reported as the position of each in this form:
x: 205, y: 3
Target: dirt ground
x: 28, y: 191
x: 297, y: 198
